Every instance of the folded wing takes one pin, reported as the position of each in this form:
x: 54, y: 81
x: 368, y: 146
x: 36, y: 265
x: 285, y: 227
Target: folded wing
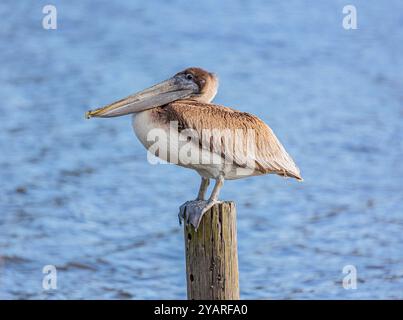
x: 236, y: 136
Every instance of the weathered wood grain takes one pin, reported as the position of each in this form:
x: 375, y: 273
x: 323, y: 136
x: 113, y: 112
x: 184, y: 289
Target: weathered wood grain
x: 212, y: 255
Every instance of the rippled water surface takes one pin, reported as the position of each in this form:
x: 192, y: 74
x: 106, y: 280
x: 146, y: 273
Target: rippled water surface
x: 81, y: 195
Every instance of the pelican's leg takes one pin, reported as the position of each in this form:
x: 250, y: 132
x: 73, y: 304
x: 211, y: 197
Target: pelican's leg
x: 199, y: 200
x: 203, y: 188
x: 192, y: 211
x: 216, y: 191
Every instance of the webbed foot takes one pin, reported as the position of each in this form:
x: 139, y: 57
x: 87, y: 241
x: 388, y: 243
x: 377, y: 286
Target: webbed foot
x: 192, y: 211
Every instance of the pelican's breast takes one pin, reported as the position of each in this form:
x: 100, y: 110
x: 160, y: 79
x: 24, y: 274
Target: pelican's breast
x: 145, y: 125
x: 157, y: 134
x: 153, y: 129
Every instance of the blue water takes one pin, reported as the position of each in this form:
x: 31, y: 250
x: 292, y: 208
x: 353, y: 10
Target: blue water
x: 81, y: 195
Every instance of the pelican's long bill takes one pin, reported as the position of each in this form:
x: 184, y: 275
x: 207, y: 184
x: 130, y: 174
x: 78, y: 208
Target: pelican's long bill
x: 160, y: 94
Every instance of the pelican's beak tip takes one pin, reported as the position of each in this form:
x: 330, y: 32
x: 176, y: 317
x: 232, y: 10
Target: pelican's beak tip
x: 88, y: 115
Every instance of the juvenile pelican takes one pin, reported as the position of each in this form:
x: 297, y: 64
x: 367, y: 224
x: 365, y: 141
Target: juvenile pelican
x: 224, y: 153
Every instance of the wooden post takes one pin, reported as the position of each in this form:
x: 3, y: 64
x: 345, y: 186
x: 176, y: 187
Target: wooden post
x: 212, y: 255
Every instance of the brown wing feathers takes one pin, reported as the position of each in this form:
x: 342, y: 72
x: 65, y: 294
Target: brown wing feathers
x: 268, y: 156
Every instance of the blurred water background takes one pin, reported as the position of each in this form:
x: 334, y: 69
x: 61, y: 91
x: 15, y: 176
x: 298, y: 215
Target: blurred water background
x: 81, y: 195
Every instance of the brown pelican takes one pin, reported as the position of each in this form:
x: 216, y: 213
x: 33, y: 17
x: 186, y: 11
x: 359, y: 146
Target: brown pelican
x: 184, y: 100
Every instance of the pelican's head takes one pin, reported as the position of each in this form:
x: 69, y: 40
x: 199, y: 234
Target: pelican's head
x: 192, y: 83
x: 206, y: 82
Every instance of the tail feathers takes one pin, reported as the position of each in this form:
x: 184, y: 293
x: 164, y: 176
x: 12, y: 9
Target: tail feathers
x: 289, y: 174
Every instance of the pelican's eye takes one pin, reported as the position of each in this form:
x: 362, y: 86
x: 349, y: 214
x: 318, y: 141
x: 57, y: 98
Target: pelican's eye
x: 189, y: 76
